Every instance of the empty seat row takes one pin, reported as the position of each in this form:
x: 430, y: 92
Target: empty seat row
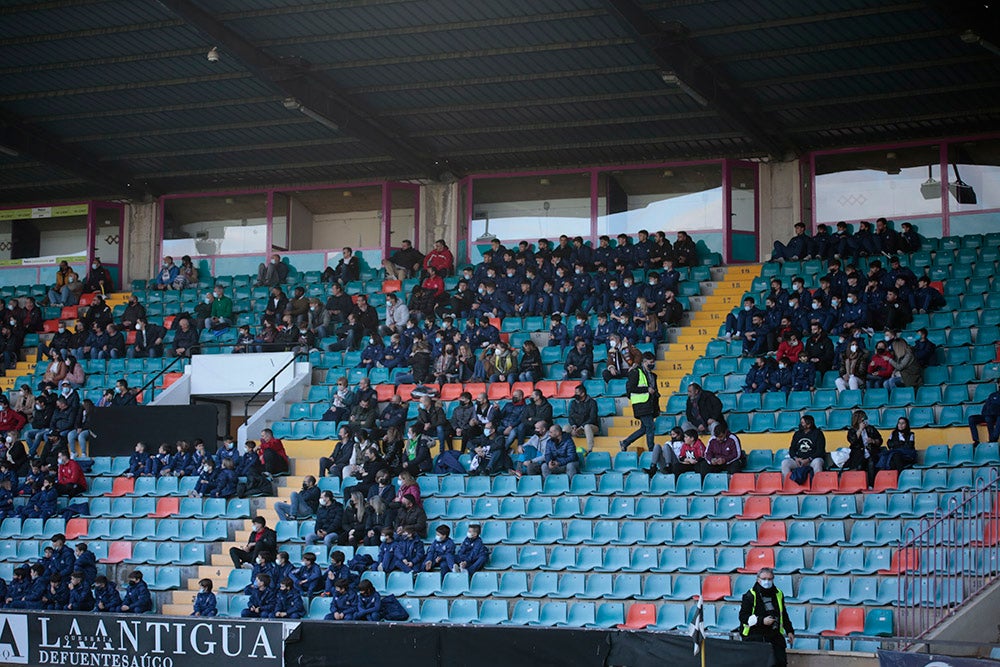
x: 195, y: 508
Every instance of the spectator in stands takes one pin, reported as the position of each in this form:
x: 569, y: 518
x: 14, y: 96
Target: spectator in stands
x: 489, y: 452
x: 410, y: 513
x: 403, y: 263
x: 724, y: 452
x: 67, y: 288
x: 880, y: 367
x: 275, y: 272
x: 764, y: 618
x: 78, y: 439
x: 924, y: 349
x: 441, y: 552
x: 99, y: 279
x: 819, y: 348
x: 579, y: 362
x: 261, y: 539
x: 71, y: 480
x: 416, y: 454
x: 471, y: 555
x: 663, y: 457
x: 167, y: 275
x: 302, y: 504
x: 23, y: 401
x: 789, y: 348
x: 432, y: 422
x: 886, y: 238
x: 11, y: 421
x: 644, y: 396
x: 440, y: 259
x: 187, y: 274
x: 396, y: 315
x: 185, y: 340
x: 865, y: 443
x: 63, y: 419
x: 926, y: 299
x: 148, y: 340
x: 348, y: 269
x: 691, y: 457
x: 703, y: 410
x: 262, y: 598
x: 204, y: 602
x: 560, y: 455
x: 501, y: 366
x: 808, y: 448
x: 272, y: 453
x: 685, y: 250
x: 124, y: 395
x: 221, y: 313
x: 803, y: 374
x: 902, y: 448
x: 799, y: 247
x: 758, y: 377
x: 737, y: 325
x: 112, y: 346
x: 853, y: 367
x: 906, y: 371
x: 275, y: 307
x: 583, y: 419
x: 990, y: 416
x: 10, y: 346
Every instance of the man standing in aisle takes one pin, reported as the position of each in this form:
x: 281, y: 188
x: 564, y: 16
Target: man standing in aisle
x: 645, y: 399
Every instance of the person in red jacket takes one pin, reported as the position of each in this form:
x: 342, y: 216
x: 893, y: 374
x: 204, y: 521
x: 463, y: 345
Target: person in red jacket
x: 272, y: 453
x: 11, y: 421
x: 440, y: 258
x: 71, y: 480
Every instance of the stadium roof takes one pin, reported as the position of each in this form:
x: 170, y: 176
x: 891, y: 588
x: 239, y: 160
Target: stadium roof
x: 117, y: 97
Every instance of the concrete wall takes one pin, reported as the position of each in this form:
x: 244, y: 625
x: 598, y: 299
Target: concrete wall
x: 141, y: 240
x: 976, y: 621
x: 780, y: 203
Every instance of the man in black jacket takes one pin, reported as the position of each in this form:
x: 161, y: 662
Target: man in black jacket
x: 302, y: 504
x: 579, y: 362
x: 261, y: 539
x: 329, y: 517
x: 764, y: 618
x: 148, y: 340
x: 185, y: 339
x: 403, y: 263
x: 703, y: 410
x: 340, y: 457
x: 643, y: 394
x: 583, y: 420
x: 819, y: 348
x: 538, y: 409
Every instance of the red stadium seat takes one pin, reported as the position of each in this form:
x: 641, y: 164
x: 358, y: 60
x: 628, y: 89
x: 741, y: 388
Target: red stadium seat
x: 904, y: 560
x: 86, y: 299
x: 757, y: 558
x: 850, y: 620
x: 756, y: 507
x: 567, y: 388
x: 68, y: 313
x: 885, y: 480
x: 639, y: 616
x: 770, y: 533
x: 824, y: 483
x: 50, y: 326
x: 451, y: 391
x: 525, y: 387
x: 853, y: 481
x: 547, y: 387
x: 117, y: 552
x: 740, y: 484
x: 390, y: 286
x: 122, y: 486
x: 405, y: 391
x: 790, y: 487
x: 768, y: 483
x: 475, y: 388
x: 498, y: 391
x: 715, y: 587
x: 75, y: 528
x: 385, y: 392
x: 166, y: 507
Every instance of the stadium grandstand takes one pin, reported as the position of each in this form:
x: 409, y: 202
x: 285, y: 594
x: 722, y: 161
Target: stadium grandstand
x: 603, y: 331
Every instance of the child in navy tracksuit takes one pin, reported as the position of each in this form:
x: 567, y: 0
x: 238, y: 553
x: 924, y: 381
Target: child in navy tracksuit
x: 137, y: 599
x: 80, y: 597
x: 57, y: 595
x: 27, y: 486
x: 375, y: 607
x: 106, y: 595
x: 803, y: 374
x: 6, y: 499
x: 441, y: 552
x: 338, y: 570
x: 261, y: 603
x: 343, y: 602
x: 282, y: 568
x: 85, y: 563
x: 472, y: 554
x: 781, y: 378
x: 204, y: 602
x: 33, y: 592
x: 18, y: 585
x: 385, y: 561
x: 409, y: 552
x: 224, y: 485
x: 162, y: 463
x: 263, y: 565
x: 288, y: 601
x: 558, y: 333
x: 308, y: 578
x: 138, y: 462
x: 206, y: 480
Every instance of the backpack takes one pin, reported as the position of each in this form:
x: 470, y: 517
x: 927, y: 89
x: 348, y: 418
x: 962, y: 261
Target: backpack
x: 361, y: 563
x: 801, y: 475
x: 392, y: 610
x: 448, y: 462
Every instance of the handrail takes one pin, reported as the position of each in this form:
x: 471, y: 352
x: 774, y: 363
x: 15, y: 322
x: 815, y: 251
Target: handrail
x: 949, y: 557
x: 272, y: 382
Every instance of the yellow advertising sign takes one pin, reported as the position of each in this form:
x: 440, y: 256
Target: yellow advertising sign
x: 43, y: 212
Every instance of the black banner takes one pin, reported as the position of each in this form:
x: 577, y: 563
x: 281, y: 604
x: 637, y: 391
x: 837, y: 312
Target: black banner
x: 899, y: 659
x: 116, y: 430
x: 121, y: 640
x: 646, y: 649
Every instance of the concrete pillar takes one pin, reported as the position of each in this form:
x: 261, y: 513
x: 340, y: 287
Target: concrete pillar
x: 780, y: 202
x: 438, y: 215
x: 141, y: 241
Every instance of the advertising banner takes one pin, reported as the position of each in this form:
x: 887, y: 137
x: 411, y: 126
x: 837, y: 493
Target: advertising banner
x: 898, y: 659
x: 119, y: 640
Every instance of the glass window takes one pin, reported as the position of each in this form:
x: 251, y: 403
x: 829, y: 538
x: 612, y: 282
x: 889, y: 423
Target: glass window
x: 977, y: 165
x: 279, y: 222
x: 881, y: 183
x: 531, y: 207
x: 687, y: 198
x: 199, y: 226
x: 335, y: 218
x: 44, y: 235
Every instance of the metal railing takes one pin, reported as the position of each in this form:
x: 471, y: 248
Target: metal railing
x: 949, y: 557
x: 272, y: 382
x: 150, y: 384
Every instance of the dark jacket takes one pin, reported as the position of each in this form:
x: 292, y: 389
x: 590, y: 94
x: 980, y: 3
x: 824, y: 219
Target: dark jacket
x: 583, y: 412
x: 329, y: 518
x: 755, y: 603
x: 709, y: 407
x: 650, y: 407
x: 808, y: 445
x: 535, y: 413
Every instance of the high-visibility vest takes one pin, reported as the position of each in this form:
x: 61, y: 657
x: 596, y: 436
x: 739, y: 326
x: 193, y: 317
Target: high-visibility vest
x: 781, y: 611
x: 640, y: 397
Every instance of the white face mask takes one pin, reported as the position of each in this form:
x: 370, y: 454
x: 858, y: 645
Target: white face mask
x: 71, y: 279
x: 260, y: 561
x: 887, y: 338
x: 384, y: 539
x: 439, y: 538
x: 748, y: 308
x: 62, y: 329
x: 138, y: 327
x: 94, y: 266
x: 471, y: 535
x: 766, y: 583
x: 324, y: 502
x: 613, y: 343
x: 274, y: 261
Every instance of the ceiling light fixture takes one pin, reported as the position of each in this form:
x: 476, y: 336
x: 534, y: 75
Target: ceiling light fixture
x: 931, y: 188
x: 292, y: 104
x: 671, y: 79
x: 213, y: 54
x: 7, y: 150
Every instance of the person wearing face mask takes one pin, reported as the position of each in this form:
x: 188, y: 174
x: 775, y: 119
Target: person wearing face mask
x: 329, y: 518
x: 98, y: 279
x: 441, y: 552
x: 261, y: 539
x: 471, y: 555
x: 166, y: 276
x: 61, y: 293
x: 11, y: 421
x: 221, y: 312
x: 853, y: 367
x: 274, y: 272
x: 303, y: 503
x: 204, y: 603
x: 148, y: 340
x: 70, y: 478
x: 764, y: 618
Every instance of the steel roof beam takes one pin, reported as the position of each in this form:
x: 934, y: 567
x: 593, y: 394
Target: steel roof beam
x: 312, y: 90
x: 675, y: 53
x: 32, y: 142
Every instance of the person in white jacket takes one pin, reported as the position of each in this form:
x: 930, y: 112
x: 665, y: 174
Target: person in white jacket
x: 396, y: 315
